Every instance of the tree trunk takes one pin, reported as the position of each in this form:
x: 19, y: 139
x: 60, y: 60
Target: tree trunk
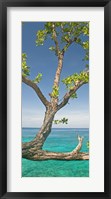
x: 43, y: 133
x: 33, y: 150
x: 46, y: 128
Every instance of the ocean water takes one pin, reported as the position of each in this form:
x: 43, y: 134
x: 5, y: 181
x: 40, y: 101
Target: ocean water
x: 60, y: 140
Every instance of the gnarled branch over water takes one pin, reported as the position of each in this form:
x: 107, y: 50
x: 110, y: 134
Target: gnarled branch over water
x: 33, y: 153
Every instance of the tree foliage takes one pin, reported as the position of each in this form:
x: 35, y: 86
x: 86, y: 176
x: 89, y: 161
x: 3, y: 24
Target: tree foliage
x: 25, y: 68
x: 67, y: 33
x: 74, y: 80
x: 63, y: 121
x: 55, y: 91
x: 87, y: 144
x: 26, y: 71
x: 38, y: 78
x: 63, y: 35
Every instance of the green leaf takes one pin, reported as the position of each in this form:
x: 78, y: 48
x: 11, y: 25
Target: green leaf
x: 65, y: 32
x: 38, y: 78
x: 87, y: 65
x: 55, y: 91
x: 85, y: 45
x: 25, y: 68
x: 52, y: 48
x: 74, y: 79
x: 41, y: 37
x: 87, y: 144
x: 86, y: 30
x: 61, y: 121
x: 74, y: 95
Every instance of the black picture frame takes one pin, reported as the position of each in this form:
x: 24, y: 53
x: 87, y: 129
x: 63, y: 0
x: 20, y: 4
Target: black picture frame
x: 3, y: 98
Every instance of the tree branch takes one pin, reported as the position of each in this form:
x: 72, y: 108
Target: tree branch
x: 78, y: 147
x: 30, y: 151
x: 55, y: 39
x: 69, y: 42
x: 36, y: 89
x: 69, y: 94
x: 60, y: 64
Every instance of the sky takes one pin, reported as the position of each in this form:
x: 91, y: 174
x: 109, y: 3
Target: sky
x: 42, y: 60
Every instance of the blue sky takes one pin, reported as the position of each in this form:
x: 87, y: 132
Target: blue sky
x: 42, y: 60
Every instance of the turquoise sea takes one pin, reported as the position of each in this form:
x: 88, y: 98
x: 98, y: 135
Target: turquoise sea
x: 61, y: 140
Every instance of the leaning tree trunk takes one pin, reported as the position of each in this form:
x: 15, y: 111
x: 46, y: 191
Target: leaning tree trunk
x: 42, y: 135
x: 33, y: 150
x: 45, y: 129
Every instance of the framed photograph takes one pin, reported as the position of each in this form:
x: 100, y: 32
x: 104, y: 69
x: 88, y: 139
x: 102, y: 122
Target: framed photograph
x: 55, y: 99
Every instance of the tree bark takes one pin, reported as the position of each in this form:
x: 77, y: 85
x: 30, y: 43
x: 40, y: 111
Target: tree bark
x: 46, y: 127
x: 43, y: 133
x: 38, y: 154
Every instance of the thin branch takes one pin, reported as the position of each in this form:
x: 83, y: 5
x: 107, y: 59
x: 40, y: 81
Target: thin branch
x: 55, y: 39
x: 69, y: 94
x: 78, y: 147
x: 69, y: 42
x: 60, y: 63
x: 36, y: 89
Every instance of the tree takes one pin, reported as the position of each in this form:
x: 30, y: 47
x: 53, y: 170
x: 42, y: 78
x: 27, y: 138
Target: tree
x: 63, y: 34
